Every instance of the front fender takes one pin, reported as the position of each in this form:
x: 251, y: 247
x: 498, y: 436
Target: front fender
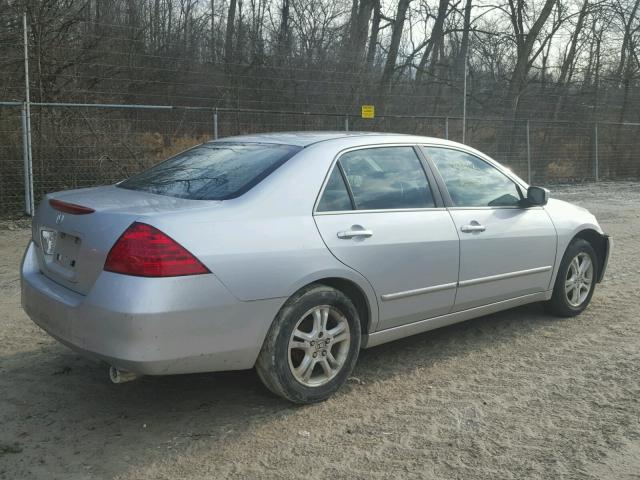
x: 572, y: 221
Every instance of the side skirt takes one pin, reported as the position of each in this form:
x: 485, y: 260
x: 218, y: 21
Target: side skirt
x: 395, y: 333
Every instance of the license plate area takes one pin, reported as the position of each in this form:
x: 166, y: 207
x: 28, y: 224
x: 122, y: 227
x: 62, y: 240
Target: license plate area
x: 66, y: 251
x: 61, y: 252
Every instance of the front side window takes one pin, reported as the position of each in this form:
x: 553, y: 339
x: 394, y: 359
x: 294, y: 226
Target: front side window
x: 472, y: 182
x: 214, y: 171
x: 386, y: 178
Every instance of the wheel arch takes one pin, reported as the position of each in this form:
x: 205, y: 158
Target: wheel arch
x: 356, y: 295
x: 357, y: 288
x: 599, y: 243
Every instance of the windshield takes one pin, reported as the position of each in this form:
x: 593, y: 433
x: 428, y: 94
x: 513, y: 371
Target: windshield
x: 214, y: 171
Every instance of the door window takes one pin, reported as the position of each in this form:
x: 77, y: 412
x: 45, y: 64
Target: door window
x: 386, y: 178
x: 472, y: 182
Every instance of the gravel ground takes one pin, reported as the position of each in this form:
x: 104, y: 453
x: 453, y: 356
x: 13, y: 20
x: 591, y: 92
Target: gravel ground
x: 513, y: 395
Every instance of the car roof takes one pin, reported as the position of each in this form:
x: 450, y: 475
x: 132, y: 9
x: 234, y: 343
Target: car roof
x: 306, y: 138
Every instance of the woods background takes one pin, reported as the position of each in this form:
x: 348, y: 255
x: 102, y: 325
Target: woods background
x: 541, y: 74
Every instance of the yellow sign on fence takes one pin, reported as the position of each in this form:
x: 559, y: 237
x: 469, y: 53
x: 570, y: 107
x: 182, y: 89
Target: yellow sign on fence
x: 368, y: 111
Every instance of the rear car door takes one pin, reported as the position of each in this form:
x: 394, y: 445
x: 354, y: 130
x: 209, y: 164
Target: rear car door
x: 380, y: 215
x: 507, y: 250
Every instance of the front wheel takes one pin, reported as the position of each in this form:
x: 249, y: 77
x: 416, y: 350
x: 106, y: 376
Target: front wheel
x: 576, y: 280
x: 312, y: 346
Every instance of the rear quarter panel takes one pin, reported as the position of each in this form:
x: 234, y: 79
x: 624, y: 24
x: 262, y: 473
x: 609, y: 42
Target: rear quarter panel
x: 265, y: 244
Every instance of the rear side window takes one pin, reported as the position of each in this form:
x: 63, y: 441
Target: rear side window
x: 386, y: 178
x: 215, y: 171
x: 335, y: 196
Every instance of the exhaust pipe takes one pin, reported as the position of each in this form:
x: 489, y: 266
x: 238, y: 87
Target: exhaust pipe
x: 120, y: 376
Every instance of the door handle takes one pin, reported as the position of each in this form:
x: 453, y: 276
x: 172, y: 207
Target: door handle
x: 347, y: 234
x: 473, y: 227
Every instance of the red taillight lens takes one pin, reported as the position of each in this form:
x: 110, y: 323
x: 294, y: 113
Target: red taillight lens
x: 71, y: 208
x: 145, y: 251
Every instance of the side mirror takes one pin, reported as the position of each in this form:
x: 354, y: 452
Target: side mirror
x: 537, y: 196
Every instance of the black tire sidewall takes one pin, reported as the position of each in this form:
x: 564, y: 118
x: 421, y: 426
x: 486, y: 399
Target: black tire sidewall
x: 287, y: 320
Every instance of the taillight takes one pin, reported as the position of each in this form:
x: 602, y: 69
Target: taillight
x: 71, y: 208
x: 144, y: 251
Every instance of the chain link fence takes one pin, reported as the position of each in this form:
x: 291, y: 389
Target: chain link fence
x: 77, y: 146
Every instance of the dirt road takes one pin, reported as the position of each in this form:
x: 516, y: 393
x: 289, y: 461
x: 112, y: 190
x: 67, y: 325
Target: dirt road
x: 513, y: 395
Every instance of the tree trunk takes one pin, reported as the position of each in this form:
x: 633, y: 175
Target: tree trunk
x: 464, y: 45
x: 358, y: 28
x: 626, y: 41
x: 212, y: 37
x: 432, y: 50
x: 396, y: 36
x: 229, y: 34
x: 571, y: 54
x: 526, y: 42
x: 373, y: 37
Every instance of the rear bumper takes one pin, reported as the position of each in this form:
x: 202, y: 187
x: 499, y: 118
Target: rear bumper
x: 150, y: 326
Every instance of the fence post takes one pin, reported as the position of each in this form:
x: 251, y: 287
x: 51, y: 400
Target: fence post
x: 26, y: 106
x: 446, y: 128
x: 346, y: 123
x: 528, y: 155
x: 596, y: 166
x: 25, y: 158
x: 215, y: 124
x: 464, y: 103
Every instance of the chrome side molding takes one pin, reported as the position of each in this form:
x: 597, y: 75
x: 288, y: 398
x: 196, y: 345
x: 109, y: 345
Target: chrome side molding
x: 464, y: 283
x: 503, y: 276
x: 418, y: 291
x: 395, y: 333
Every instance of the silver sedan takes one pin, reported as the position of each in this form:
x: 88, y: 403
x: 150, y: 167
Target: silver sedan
x: 290, y: 252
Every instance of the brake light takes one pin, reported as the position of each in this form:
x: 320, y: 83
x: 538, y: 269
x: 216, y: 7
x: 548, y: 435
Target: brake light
x: 71, y: 208
x: 145, y: 251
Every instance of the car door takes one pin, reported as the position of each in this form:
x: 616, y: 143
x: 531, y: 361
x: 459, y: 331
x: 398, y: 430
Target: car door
x: 507, y: 250
x: 379, y: 214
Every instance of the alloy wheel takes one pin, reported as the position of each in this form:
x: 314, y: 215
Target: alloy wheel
x: 319, y: 345
x: 579, y: 279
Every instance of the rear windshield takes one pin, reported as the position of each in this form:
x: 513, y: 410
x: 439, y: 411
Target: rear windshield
x: 215, y: 171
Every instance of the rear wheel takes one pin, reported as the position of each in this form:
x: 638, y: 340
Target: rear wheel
x: 576, y: 280
x: 312, y: 346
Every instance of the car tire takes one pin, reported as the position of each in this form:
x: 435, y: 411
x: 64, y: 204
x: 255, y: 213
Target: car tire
x: 316, y: 334
x: 570, y: 297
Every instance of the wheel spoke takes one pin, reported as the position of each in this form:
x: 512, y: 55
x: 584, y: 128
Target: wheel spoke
x: 338, y: 329
x: 575, y: 266
x: 305, y: 368
x: 332, y: 360
x: 585, y: 265
x: 297, y: 333
x: 324, y: 363
x: 341, y: 337
x: 317, y: 321
x: 568, y: 286
x: 295, y: 345
x: 325, y: 318
x: 576, y: 293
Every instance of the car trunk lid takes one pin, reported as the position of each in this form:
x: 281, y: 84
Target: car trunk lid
x: 75, y: 230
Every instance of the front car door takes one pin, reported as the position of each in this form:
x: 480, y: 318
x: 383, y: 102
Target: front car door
x: 507, y: 250
x: 381, y: 215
